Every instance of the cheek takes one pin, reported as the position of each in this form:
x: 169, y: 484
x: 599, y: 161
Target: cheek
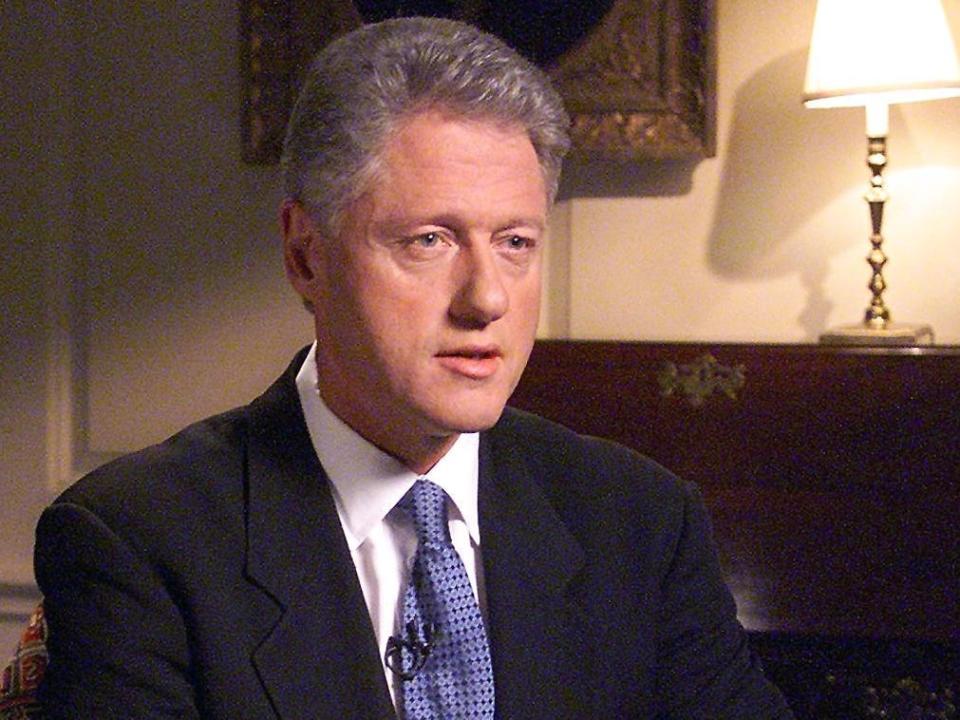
x: 390, y: 305
x: 399, y: 323
x: 526, y: 301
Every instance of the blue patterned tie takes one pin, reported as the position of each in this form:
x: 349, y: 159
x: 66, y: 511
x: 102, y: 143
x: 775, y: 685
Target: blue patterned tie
x: 450, y: 673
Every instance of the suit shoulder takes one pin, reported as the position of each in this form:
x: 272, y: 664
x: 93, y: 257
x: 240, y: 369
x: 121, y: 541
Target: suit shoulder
x: 554, y: 449
x: 611, y: 498
x: 194, y: 460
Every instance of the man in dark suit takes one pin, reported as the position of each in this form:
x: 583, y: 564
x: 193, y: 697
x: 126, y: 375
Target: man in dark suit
x: 275, y: 561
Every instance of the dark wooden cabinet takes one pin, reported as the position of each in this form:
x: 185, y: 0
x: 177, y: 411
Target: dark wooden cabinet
x: 832, y: 474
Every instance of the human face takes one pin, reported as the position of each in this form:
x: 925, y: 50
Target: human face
x: 426, y: 303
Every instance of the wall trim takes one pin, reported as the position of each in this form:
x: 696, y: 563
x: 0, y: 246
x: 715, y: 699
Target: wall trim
x: 59, y: 365
x: 66, y: 326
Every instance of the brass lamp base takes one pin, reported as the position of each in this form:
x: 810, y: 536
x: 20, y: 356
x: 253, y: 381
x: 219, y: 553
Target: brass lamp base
x: 876, y: 329
x: 888, y: 334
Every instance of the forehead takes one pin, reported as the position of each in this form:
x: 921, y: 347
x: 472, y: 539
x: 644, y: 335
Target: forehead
x: 449, y: 159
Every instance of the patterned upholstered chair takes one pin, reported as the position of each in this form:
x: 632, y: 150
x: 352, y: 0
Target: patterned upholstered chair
x: 22, y: 676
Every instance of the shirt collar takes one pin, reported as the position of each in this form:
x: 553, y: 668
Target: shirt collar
x: 367, y: 482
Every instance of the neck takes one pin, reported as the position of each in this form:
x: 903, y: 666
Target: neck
x: 418, y: 449
x: 423, y: 456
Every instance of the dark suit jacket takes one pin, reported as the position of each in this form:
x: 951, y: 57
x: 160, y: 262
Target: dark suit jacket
x: 208, y: 576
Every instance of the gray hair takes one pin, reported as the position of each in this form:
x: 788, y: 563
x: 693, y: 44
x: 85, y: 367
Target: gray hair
x: 362, y: 85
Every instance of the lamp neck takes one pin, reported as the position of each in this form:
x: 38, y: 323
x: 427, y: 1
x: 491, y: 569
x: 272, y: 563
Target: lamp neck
x: 878, y: 119
x: 877, y: 315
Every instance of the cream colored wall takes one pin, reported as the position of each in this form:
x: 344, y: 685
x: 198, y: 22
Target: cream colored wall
x: 141, y: 278
x: 768, y: 243
x: 142, y: 284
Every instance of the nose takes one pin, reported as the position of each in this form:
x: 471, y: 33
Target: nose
x: 480, y: 297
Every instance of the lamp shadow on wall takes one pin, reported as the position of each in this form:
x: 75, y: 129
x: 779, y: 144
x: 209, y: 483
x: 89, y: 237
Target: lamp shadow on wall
x: 783, y: 165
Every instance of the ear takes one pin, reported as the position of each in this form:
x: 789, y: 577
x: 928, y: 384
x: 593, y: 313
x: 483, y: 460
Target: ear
x: 302, y: 254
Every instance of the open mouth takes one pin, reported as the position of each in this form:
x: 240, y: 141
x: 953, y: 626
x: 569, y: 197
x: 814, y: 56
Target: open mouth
x: 474, y: 363
x: 481, y: 355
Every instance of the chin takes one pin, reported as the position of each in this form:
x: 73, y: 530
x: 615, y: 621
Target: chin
x: 473, y: 420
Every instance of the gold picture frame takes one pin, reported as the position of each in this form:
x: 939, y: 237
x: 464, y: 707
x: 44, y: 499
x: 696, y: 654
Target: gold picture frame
x: 639, y: 82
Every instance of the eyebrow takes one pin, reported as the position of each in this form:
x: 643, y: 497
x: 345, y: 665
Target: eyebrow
x: 396, y: 223
x: 525, y: 222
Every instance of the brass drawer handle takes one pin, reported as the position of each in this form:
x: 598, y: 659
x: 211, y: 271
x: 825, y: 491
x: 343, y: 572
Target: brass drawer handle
x: 698, y: 380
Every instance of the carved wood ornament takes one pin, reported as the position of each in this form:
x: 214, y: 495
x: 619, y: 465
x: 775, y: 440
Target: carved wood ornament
x: 638, y: 82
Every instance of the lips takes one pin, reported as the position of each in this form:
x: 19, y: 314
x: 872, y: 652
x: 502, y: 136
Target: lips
x: 473, y: 362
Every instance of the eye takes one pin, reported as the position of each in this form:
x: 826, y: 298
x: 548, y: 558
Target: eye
x: 517, y: 243
x: 427, y: 240
x: 428, y: 245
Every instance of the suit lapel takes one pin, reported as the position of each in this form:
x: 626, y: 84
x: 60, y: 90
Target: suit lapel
x: 529, y: 561
x: 320, y: 654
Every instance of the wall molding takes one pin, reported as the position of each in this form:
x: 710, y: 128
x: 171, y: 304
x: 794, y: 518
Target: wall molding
x: 59, y: 370
x: 68, y: 453
x: 66, y: 266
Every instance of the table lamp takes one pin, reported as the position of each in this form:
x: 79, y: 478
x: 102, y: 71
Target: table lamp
x: 873, y: 53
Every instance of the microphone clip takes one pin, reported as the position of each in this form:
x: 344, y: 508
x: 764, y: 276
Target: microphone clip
x: 418, y: 649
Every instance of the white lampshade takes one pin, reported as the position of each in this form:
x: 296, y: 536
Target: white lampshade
x: 880, y: 51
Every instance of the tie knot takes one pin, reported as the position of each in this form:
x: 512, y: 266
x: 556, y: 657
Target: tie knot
x: 426, y: 504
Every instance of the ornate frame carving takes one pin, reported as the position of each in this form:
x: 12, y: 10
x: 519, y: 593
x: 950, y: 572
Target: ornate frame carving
x: 640, y: 84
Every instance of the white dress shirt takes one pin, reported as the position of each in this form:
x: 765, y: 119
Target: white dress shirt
x: 367, y: 484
